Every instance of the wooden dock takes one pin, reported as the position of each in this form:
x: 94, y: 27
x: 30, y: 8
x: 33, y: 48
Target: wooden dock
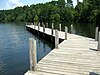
x: 75, y: 56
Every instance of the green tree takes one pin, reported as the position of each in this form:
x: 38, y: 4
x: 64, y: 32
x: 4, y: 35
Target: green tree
x: 36, y: 19
x: 86, y: 11
x: 56, y: 17
x: 61, y: 3
x: 79, y: 7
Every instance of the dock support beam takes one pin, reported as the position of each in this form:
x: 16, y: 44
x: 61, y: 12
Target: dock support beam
x: 99, y: 42
x: 96, y: 33
x: 66, y: 31
x: 59, y: 27
x: 52, y: 28
x: 56, y: 38
x: 32, y: 52
x: 71, y: 29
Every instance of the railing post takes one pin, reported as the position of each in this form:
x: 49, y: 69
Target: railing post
x: 66, y: 31
x: 56, y: 38
x: 96, y: 33
x: 59, y: 27
x: 99, y: 42
x: 38, y: 26
x: 71, y: 29
x: 33, y: 58
x: 52, y: 28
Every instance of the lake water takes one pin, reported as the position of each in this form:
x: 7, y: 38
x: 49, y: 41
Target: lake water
x: 14, y: 49
x: 14, y: 46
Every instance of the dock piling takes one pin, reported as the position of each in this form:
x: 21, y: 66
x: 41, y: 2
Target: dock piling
x: 59, y: 27
x: 42, y: 24
x: 33, y: 58
x: 52, y: 28
x: 47, y: 25
x: 71, y: 29
x: 66, y: 31
x: 43, y: 28
x: 38, y: 26
x: 56, y: 38
x: 31, y: 23
x: 34, y: 25
x: 96, y: 33
x: 99, y: 42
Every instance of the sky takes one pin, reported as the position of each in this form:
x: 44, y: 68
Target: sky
x: 10, y: 4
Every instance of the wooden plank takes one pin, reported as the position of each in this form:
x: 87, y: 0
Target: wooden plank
x: 76, y: 56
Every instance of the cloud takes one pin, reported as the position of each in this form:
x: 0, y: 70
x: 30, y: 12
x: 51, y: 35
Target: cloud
x: 14, y: 3
x: 10, y: 4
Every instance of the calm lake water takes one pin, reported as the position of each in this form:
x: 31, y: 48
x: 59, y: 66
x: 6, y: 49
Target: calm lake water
x: 14, y: 49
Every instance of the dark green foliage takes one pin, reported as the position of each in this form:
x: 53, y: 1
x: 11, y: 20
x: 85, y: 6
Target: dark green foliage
x: 57, y: 17
x: 36, y: 19
x: 61, y: 3
x: 86, y: 11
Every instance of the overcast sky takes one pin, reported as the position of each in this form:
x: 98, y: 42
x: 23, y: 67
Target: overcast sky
x: 10, y: 4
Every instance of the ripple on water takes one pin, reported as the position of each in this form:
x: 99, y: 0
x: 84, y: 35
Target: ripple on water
x: 14, y: 49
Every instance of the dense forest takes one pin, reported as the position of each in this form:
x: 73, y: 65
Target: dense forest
x: 86, y: 11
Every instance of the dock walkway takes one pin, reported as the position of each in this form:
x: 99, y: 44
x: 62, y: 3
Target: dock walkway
x: 75, y: 56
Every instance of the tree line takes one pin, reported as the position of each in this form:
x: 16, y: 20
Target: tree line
x: 86, y: 11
